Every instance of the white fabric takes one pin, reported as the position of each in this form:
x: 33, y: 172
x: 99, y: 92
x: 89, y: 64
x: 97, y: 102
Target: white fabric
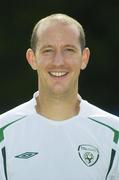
x: 75, y: 149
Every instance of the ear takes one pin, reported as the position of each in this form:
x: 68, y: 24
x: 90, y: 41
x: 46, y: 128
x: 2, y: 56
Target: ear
x: 85, y: 58
x: 30, y: 56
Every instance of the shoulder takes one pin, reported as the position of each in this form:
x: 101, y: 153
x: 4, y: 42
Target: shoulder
x: 100, y: 116
x: 16, y: 113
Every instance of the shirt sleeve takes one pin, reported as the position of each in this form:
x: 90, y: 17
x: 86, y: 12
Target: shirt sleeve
x: 2, y: 169
x: 1, y: 176
x: 117, y: 172
x: 117, y: 169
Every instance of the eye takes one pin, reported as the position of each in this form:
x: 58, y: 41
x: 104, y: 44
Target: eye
x: 47, y: 50
x: 69, y: 50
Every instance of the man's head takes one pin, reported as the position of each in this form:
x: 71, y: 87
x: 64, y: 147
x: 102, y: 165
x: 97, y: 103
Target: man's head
x: 55, y: 18
x: 58, y: 53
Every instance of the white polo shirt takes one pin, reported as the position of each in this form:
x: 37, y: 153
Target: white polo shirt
x: 85, y: 147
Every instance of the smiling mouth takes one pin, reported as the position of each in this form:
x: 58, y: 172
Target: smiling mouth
x: 58, y: 74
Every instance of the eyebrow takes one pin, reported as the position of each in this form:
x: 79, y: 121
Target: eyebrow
x: 69, y: 45
x: 46, y: 46
x: 50, y: 46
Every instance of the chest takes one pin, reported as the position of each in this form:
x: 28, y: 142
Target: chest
x: 58, y: 152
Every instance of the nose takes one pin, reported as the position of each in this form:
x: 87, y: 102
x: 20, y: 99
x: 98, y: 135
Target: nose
x: 58, y: 59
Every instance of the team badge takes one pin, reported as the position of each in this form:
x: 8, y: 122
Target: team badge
x: 89, y: 154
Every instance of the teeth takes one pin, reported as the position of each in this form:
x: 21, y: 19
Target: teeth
x: 58, y: 74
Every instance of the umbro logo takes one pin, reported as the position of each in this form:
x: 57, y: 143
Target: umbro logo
x: 26, y: 155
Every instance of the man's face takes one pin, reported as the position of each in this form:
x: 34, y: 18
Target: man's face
x: 58, y: 58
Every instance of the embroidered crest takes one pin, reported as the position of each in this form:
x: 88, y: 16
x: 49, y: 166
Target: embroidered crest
x: 89, y: 154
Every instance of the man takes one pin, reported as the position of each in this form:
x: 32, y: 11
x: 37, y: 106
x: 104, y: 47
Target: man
x: 57, y: 135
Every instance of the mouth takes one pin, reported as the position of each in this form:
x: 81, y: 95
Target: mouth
x: 58, y: 74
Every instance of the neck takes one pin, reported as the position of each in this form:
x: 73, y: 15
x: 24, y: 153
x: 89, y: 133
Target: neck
x: 57, y: 107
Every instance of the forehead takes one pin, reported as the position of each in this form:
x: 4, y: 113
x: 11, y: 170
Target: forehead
x: 57, y: 30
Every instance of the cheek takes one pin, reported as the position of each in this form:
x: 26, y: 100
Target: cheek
x: 75, y: 64
x: 43, y: 61
x: 41, y: 64
x: 76, y: 68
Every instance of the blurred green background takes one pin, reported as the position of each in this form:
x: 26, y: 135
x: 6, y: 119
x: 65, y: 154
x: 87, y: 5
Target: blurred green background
x: 99, y: 83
